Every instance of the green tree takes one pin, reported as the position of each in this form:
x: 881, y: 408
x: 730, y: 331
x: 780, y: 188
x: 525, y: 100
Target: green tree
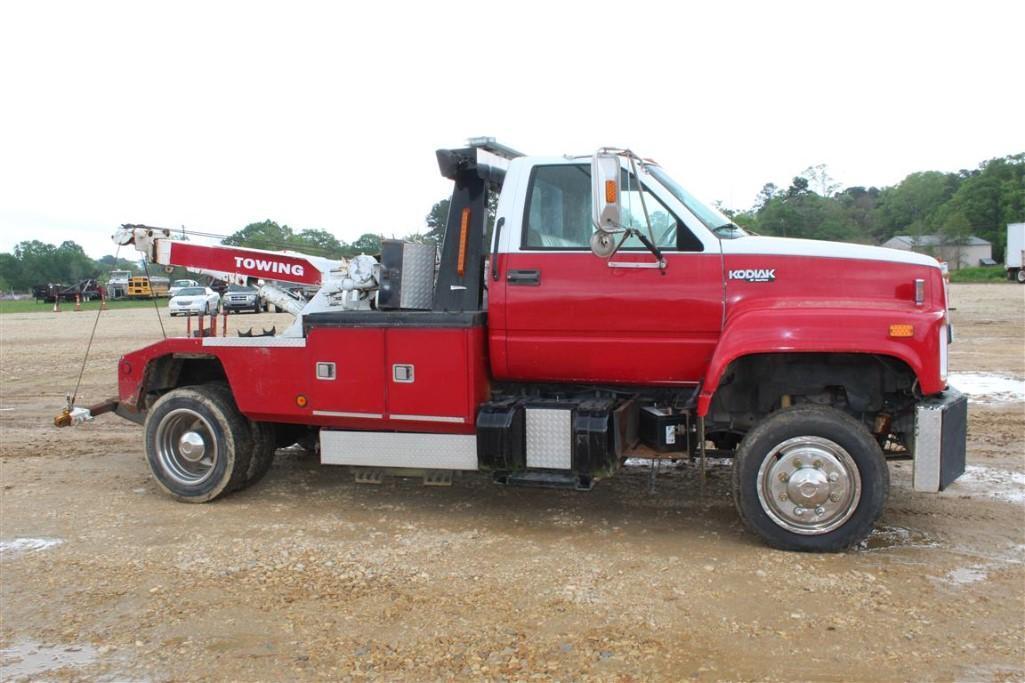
x: 436, y: 220
x: 10, y: 273
x: 318, y: 243
x: 263, y: 235
x: 368, y: 243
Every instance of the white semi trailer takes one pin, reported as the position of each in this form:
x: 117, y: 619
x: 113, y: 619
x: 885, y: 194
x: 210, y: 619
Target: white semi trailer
x: 1014, y: 256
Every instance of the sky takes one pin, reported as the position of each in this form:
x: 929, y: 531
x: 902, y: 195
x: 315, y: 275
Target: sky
x: 213, y: 115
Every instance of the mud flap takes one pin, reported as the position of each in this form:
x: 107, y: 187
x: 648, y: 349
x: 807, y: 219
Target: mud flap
x: 941, y: 430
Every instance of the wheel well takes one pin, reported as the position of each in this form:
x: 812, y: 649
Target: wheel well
x: 169, y: 372
x: 860, y: 384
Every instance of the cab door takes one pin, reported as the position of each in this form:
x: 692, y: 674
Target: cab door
x: 559, y: 313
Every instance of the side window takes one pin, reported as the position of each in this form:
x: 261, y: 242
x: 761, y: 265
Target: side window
x: 559, y: 212
x: 664, y: 225
x: 559, y: 207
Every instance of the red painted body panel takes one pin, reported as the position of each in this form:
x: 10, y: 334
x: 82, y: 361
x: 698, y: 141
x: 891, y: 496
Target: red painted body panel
x: 450, y: 380
x: 358, y: 355
x: 830, y: 305
x: 265, y: 381
x: 588, y: 322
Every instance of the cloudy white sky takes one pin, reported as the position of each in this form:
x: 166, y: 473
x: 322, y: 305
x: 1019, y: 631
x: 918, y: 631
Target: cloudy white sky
x: 326, y: 115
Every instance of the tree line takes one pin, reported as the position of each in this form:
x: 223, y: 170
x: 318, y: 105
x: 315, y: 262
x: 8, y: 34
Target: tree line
x: 980, y: 201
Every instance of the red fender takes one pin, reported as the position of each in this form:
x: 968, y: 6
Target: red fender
x: 837, y: 328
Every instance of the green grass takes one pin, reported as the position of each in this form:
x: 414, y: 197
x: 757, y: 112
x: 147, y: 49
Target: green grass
x: 30, y: 306
x: 979, y: 274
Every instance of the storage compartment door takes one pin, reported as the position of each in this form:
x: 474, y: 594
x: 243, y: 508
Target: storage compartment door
x: 345, y: 372
x: 428, y: 375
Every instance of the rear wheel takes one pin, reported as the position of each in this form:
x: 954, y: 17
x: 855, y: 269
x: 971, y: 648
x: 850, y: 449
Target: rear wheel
x: 198, y: 445
x: 1020, y: 276
x: 262, y: 457
x: 264, y: 440
x: 810, y: 478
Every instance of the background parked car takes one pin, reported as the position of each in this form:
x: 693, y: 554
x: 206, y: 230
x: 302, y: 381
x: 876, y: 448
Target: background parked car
x: 179, y: 285
x: 194, y: 301
x: 238, y: 298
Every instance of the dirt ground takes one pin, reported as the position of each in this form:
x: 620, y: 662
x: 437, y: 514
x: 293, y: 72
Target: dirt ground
x: 308, y: 575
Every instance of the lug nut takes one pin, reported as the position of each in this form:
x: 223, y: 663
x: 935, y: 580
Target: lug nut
x: 819, y: 510
x: 797, y: 464
x: 783, y: 497
x: 833, y: 476
x: 783, y: 476
x: 817, y: 464
x: 798, y: 511
x: 835, y: 497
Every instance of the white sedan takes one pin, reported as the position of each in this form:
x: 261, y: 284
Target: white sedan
x: 179, y: 285
x: 194, y: 301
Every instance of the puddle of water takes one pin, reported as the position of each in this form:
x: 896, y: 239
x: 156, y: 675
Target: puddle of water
x: 17, y: 546
x: 991, y: 482
x: 886, y: 537
x: 963, y: 576
x: 31, y: 659
x: 988, y: 387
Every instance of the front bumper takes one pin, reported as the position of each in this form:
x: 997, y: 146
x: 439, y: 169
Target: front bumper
x: 941, y: 432
x: 189, y: 309
x: 230, y: 305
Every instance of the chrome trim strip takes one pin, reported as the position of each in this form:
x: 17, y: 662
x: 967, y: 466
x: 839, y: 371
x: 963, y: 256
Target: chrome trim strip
x: 429, y: 418
x: 335, y: 413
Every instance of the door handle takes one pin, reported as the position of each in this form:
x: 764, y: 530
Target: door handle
x: 524, y: 277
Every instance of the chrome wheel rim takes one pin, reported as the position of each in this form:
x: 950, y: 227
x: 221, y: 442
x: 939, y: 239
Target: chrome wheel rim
x: 185, y: 447
x: 809, y: 485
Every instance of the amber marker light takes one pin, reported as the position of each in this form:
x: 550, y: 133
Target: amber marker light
x: 902, y: 330
x: 301, y: 401
x: 464, y: 236
x: 610, y: 191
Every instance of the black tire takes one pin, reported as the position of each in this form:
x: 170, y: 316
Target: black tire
x: 1020, y: 276
x: 263, y: 441
x: 209, y: 418
x: 262, y: 457
x: 842, y: 445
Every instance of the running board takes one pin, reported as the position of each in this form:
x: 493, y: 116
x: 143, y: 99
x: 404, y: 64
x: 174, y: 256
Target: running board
x: 545, y: 480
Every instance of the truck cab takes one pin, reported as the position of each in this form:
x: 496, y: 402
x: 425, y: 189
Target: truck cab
x: 607, y: 314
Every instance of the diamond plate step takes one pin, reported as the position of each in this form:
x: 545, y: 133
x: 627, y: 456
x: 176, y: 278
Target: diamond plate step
x: 368, y: 475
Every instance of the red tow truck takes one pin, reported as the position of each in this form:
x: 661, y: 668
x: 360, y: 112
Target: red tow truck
x: 611, y: 314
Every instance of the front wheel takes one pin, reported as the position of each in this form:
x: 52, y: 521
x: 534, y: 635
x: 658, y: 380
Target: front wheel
x: 1020, y: 276
x: 198, y: 444
x: 810, y: 478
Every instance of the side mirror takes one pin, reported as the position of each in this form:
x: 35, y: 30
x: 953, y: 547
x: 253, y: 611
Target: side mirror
x: 605, y: 175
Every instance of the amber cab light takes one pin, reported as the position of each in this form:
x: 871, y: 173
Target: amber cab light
x: 610, y: 191
x: 902, y: 330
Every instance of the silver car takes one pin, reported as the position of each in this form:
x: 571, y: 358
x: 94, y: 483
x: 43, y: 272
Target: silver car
x: 194, y: 301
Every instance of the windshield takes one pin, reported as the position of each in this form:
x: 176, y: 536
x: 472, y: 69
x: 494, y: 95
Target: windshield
x: 715, y: 221
x: 239, y: 288
x: 192, y: 291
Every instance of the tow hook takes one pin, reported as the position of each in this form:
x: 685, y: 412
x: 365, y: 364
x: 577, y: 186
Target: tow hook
x: 71, y: 416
